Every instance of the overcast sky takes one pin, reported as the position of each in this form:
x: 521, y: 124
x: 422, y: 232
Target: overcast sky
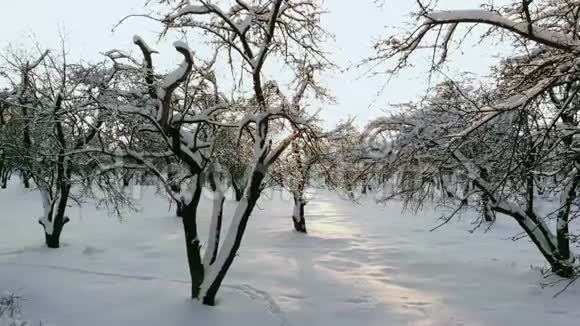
x: 87, y: 26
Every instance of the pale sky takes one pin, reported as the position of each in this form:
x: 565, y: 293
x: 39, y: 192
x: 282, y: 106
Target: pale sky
x: 87, y: 26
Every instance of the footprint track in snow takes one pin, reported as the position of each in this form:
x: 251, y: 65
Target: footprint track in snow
x: 250, y: 291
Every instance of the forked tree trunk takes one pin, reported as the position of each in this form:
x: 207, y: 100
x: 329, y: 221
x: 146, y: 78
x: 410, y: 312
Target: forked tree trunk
x: 192, y: 243
x: 534, y: 226
x: 544, y: 240
x: 217, y: 271
x: 52, y: 239
x: 298, y: 213
x: 54, y: 219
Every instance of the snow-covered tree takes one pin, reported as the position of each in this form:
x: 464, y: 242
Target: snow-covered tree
x: 6, y: 130
x: 17, y: 101
x: 254, y: 33
x: 319, y: 161
x: 297, y: 174
x: 517, y: 142
x: 55, y: 107
x: 439, y: 150
x: 233, y: 151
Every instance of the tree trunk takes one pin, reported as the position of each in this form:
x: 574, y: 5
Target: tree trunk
x: 298, y: 213
x: 544, y: 241
x: 4, y: 181
x: 487, y: 213
x: 127, y: 180
x: 562, y: 233
x: 215, y: 229
x: 567, y: 197
x: 559, y: 265
x: 238, y: 193
x: 3, y: 172
x: 235, y: 235
x: 4, y: 176
x: 192, y: 243
x: 538, y: 232
x: 52, y: 239
x: 179, y: 205
x: 25, y: 180
x: 56, y: 219
x: 563, y: 237
x: 534, y: 226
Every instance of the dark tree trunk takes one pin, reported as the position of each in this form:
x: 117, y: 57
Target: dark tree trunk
x: 192, y: 243
x: 25, y: 180
x: 58, y: 219
x: 298, y: 214
x: 218, y: 230
x: 562, y: 269
x: 179, y: 210
x: 559, y: 265
x: 4, y: 181
x: 563, y: 236
x: 238, y: 192
x: 487, y: 213
x: 127, y: 180
x: 63, y: 185
x: 3, y: 172
x: 53, y: 240
x: 538, y: 232
x: 563, y: 219
x: 4, y: 176
x: 217, y: 214
x: 252, y: 198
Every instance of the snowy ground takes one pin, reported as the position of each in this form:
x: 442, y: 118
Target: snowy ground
x: 361, y: 264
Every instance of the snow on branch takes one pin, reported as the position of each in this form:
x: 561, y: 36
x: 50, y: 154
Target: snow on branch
x: 34, y: 64
x: 179, y: 75
x: 171, y: 81
x: 545, y: 26
x: 190, y: 9
x: 536, y: 33
x: 145, y: 48
x: 148, y: 64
